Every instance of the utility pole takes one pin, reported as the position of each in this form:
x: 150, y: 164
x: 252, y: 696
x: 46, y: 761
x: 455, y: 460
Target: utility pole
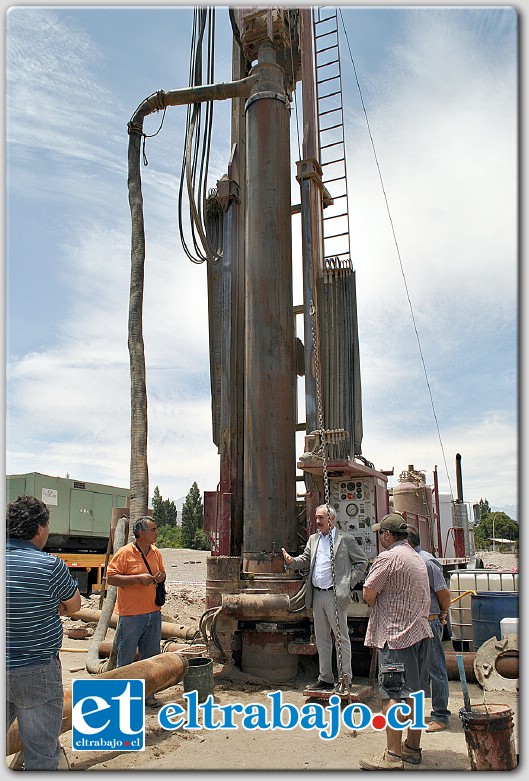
x: 493, y: 532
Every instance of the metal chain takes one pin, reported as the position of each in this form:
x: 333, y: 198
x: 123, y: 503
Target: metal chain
x: 342, y: 683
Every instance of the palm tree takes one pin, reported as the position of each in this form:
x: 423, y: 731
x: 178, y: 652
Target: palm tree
x: 139, y: 473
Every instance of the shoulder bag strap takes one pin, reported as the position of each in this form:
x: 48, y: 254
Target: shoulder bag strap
x: 143, y: 557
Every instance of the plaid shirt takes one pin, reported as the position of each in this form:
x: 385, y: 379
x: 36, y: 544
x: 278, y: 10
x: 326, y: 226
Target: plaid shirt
x: 399, y: 616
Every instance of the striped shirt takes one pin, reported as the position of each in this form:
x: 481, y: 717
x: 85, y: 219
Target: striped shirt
x: 35, y: 584
x: 399, y: 616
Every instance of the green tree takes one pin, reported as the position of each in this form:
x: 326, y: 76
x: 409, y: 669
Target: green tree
x: 484, y: 507
x: 164, y: 511
x: 169, y: 537
x: 193, y: 521
x: 158, y: 513
x: 497, y: 524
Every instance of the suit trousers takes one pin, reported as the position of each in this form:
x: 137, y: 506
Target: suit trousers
x: 324, y: 616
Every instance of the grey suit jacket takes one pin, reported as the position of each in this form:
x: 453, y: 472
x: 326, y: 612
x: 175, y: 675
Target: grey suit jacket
x: 350, y: 564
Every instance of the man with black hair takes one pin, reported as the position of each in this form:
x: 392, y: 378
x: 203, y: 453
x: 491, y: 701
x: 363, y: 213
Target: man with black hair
x: 39, y: 589
x: 140, y: 620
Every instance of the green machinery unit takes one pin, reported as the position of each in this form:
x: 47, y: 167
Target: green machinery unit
x: 80, y: 512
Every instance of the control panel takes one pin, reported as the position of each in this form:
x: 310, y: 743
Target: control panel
x: 354, y: 502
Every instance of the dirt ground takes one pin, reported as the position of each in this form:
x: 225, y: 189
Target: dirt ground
x: 241, y: 749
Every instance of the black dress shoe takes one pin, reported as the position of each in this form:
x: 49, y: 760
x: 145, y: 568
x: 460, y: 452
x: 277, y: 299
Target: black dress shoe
x: 321, y: 686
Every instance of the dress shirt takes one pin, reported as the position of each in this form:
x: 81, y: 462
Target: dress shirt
x: 322, y: 572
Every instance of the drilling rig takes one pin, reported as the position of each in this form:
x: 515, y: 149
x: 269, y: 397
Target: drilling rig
x: 255, y: 610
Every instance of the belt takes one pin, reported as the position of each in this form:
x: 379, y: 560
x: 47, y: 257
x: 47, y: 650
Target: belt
x: 433, y: 617
x: 322, y: 589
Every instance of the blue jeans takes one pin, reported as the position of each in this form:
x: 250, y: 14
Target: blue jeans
x: 438, y: 675
x: 34, y: 696
x: 143, y: 632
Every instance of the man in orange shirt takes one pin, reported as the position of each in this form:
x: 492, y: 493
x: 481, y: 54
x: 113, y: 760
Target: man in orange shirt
x: 140, y: 621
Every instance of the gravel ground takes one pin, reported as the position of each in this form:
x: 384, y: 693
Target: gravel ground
x: 242, y: 750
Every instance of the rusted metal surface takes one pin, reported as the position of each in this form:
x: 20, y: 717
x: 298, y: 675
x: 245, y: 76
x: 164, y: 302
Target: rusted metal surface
x: 265, y: 655
x: 264, y: 563
x: 249, y: 606
x: 223, y: 576
x: 158, y: 672
x: 270, y: 388
x: 168, y: 629
x: 302, y: 649
x: 468, y: 662
x: 489, y: 737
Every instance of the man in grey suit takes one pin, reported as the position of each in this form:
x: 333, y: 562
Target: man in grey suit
x: 350, y: 564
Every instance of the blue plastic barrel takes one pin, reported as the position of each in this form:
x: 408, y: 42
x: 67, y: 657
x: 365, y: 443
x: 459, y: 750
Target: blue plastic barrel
x: 487, y: 609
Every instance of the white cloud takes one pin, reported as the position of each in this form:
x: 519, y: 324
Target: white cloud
x: 443, y: 118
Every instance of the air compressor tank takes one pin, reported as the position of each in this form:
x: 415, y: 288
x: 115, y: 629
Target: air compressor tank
x: 412, y: 495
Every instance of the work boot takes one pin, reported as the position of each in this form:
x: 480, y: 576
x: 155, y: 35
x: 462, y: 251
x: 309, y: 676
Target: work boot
x: 388, y: 761
x: 436, y: 726
x: 152, y: 702
x: 411, y: 755
x: 321, y: 686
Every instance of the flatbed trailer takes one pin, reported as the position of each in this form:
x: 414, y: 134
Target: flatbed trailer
x: 87, y: 568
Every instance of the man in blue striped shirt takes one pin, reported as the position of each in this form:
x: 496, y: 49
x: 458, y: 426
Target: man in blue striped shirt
x: 39, y: 589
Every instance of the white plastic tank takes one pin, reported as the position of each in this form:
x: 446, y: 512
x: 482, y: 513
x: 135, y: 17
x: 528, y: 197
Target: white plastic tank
x: 462, y: 581
x: 508, y: 626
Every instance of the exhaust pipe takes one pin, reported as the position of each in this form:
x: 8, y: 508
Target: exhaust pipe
x: 459, y: 478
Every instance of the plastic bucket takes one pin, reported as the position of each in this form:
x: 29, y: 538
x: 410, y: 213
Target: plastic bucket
x: 487, y: 609
x: 199, y: 677
x: 489, y: 737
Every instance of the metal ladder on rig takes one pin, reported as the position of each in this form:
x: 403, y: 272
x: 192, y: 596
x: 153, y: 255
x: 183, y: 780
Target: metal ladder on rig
x: 336, y: 241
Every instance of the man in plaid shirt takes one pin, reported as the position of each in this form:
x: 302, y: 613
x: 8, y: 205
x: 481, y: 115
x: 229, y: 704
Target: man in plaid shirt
x: 398, y: 592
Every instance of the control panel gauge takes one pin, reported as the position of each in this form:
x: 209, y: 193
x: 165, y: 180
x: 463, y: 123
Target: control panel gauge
x: 354, y: 502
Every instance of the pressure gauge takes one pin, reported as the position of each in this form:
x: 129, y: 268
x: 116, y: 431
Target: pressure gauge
x: 351, y: 510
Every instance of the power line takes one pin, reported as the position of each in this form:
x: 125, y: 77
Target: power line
x: 398, y: 250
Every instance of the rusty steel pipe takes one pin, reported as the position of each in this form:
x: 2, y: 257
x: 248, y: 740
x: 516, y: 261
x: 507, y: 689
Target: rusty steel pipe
x: 158, y: 672
x: 169, y: 629
x: 270, y: 366
x: 189, y: 95
x: 249, y: 606
x: 468, y: 662
x: 507, y: 665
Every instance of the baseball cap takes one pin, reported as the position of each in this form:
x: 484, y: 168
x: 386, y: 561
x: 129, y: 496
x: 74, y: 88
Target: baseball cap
x: 394, y: 522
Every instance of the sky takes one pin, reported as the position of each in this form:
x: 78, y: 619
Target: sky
x: 439, y: 85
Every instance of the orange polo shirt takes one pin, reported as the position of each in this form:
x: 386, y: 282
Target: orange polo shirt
x: 136, y: 599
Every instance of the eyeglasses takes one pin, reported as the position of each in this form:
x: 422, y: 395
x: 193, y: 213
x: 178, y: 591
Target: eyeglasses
x: 382, y: 531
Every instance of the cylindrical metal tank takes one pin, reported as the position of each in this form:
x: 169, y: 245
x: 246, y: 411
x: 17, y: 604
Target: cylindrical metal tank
x: 412, y: 495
